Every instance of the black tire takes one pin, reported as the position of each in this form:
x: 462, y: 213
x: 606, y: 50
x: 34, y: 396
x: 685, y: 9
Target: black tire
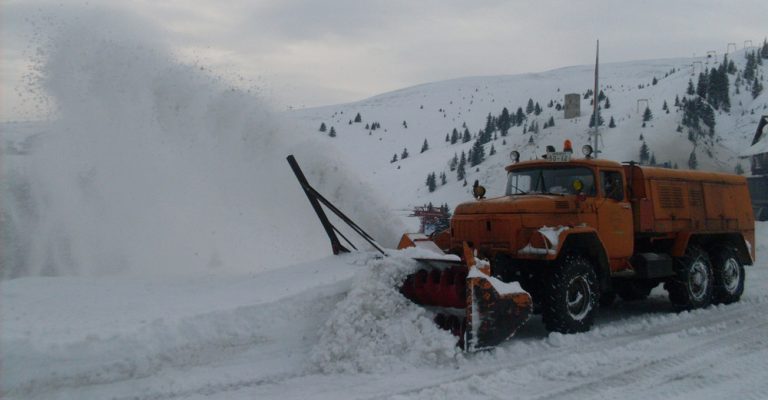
x: 631, y: 290
x: 571, y: 296
x: 729, y: 276
x: 694, y: 283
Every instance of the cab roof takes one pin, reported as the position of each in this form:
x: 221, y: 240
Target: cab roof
x: 581, y: 162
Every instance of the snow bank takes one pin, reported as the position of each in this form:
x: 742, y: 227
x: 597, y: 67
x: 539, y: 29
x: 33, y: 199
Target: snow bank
x: 65, y: 332
x: 376, y: 329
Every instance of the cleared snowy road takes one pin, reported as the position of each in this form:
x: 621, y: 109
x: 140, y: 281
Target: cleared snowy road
x: 301, y: 333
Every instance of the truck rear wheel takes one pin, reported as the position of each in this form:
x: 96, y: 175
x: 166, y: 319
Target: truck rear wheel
x: 571, y: 296
x: 694, y: 283
x: 729, y: 276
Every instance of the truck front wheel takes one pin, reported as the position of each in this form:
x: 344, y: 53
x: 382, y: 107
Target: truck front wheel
x: 729, y: 276
x: 693, y: 285
x: 571, y: 296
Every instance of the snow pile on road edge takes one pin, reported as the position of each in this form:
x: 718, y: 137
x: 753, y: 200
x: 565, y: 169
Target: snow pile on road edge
x: 376, y: 329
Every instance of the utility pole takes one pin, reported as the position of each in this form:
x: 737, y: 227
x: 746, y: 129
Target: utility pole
x: 596, y: 117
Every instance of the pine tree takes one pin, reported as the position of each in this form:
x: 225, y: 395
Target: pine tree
x: 367, y: 126
x: 504, y: 122
x: 431, y: 182
x: 425, y: 146
x: 534, y: 127
x: 707, y: 117
x: 537, y: 109
x: 405, y: 154
x: 447, y: 137
x: 717, y: 92
x: 490, y: 126
x: 454, y: 162
x: 460, y: 170
x: 653, y: 159
x: 757, y: 88
x: 600, y: 120
x: 702, y: 87
x: 764, y: 49
x: 478, y: 154
x: 394, y: 158
x: 529, y: 107
x: 322, y: 127
x: 692, y: 163
x: 612, y: 123
x: 644, y: 154
x: 493, y: 151
x: 647, y: 115
x: 677, y: 101
x: 405, y: 124
x: 332, y: 133
x: 358, y: 118
x: 655, y: 81
x: 664, y: 106
x: 749, y: 68
x: 601, y: 96
x: 607, y: 103
x: 551, y: 121
x: 690, y: 91
x: 443, y: 178
x: 454, y: 136
x: 467, y: 136
x: 519, y: 116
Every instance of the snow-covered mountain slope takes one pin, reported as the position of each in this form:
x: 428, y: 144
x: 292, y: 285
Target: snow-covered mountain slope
x: 433, y: 110
x: 337, y: 328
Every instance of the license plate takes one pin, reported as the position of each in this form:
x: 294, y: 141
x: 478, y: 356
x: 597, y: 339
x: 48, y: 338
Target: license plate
x: 559, y: 156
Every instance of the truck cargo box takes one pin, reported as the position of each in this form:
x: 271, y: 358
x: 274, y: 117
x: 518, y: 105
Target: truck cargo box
x: 668, y: 200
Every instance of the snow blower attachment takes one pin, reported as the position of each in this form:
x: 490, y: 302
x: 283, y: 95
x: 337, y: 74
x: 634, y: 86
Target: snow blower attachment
x: 479, y: 309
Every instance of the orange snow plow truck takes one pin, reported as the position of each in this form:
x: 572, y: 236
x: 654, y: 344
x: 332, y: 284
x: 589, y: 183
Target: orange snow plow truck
x: 570, y: 234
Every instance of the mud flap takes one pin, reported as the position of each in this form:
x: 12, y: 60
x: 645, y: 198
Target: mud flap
x: 492, y: 317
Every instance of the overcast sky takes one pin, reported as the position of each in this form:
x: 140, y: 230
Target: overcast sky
x: 308, y: 53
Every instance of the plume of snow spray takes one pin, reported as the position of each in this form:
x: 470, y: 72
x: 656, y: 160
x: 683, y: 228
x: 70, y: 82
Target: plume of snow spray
x: 152, y: 166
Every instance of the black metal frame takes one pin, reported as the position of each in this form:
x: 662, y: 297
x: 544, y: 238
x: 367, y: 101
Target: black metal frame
x: 315, y: 199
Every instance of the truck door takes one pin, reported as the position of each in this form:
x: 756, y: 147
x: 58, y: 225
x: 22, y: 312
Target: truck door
x: 614, y: 216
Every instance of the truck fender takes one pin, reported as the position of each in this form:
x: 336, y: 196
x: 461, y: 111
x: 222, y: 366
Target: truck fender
x: 737, y: 239
x: 587, y: 242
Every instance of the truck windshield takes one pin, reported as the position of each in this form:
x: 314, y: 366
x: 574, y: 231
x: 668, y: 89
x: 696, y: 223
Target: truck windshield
x: 551, y: 180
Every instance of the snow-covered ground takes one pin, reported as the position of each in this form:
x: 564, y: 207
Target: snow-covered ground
x: 337, y: 328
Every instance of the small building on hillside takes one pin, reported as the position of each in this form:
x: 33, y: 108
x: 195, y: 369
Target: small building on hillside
x: 572, y: 105
x: 758, y: 181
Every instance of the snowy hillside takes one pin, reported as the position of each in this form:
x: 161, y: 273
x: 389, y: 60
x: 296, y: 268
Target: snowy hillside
x: 433, y: 110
